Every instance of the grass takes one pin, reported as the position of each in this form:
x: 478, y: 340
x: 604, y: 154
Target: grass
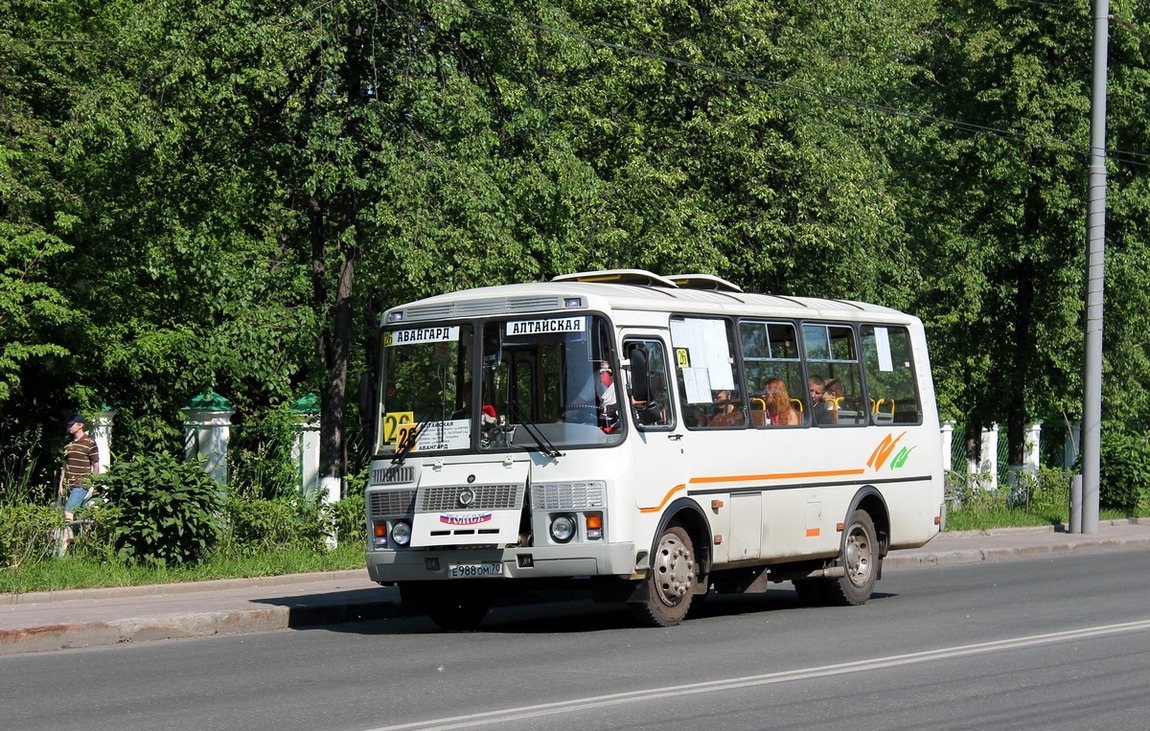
x: 1006, y: 517
x: 86, y: 572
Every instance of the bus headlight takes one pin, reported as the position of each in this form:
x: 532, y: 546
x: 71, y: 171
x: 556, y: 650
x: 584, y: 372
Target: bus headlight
x: 563, y: 527
x: 401, y: 533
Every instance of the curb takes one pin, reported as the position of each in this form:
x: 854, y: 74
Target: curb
x: 189, y: 625
x: 981, y: 555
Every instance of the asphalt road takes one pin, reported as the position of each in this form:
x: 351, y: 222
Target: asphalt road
x: 1056, y: 643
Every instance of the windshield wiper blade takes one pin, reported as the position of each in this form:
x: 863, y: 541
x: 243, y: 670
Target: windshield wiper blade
x: 405, y: 445
x: 545, y: 446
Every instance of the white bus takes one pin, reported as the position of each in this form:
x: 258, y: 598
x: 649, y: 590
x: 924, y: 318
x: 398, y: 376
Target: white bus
x: 649, y: 438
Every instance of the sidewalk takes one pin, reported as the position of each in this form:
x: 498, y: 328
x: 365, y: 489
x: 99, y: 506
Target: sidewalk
x: 93, y: 617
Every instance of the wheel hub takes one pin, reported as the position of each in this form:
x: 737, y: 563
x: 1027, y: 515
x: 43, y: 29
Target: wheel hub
x: 675, y: 570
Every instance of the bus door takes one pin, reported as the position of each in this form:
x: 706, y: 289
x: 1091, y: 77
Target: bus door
x: 659, y: 455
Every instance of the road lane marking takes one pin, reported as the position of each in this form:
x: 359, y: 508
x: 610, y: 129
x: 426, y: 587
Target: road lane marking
x: 521, y: 713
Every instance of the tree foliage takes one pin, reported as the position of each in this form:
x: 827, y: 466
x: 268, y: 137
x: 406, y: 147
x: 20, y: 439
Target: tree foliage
x: 225, y: 195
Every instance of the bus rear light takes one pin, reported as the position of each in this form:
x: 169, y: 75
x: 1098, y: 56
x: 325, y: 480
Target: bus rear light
x: 594, y: 526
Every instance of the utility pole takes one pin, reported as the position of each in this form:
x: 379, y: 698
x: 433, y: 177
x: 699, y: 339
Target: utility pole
x: 1095, y: 259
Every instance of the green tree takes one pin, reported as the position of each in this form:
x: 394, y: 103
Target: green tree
x: 43, y: 62
x: 1003, y: 212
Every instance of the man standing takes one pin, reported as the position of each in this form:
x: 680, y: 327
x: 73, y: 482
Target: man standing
x: 81, y: 459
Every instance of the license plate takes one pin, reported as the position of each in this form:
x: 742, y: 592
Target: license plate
x: 474, y: 570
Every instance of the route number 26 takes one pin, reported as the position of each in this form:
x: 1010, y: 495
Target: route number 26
x: 392, y: 420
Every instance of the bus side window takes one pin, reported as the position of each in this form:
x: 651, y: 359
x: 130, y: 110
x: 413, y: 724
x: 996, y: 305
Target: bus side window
x: 831, y: 356
x: 648, y: 389
x: 890, y: 379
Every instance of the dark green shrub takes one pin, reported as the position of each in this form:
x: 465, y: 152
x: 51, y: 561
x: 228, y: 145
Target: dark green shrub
x: 161, y: 511
x: 28, y: 533
x: 1124, y: 471
x: 350, y: 520
x: 260, y: 460
x: 1046, y: 491
x: 255, y: 525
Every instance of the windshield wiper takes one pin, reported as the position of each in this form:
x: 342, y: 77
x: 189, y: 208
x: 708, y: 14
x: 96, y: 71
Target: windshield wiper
x: 545, y: 446
x: 405, y: 445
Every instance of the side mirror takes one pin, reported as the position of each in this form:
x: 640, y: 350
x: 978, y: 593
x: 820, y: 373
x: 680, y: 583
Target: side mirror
x: 366, y: 399
x: 640, y: 378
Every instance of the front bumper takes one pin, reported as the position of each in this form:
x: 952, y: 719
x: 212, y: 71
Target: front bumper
x: 543, y: 562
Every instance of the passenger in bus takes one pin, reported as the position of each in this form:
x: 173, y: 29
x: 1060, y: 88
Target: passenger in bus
x: 815, y: 387
x: 726, y: 411
x: 779, y: 410
x: 826, y: 412
x: 723, y: 403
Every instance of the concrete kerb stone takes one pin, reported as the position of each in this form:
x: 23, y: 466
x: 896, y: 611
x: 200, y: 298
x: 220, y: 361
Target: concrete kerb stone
x: 141, y: 629
x: 72, y: 635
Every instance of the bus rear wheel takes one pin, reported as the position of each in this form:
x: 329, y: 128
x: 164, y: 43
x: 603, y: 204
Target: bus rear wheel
x: 670, y: 582
x: 860, y: 559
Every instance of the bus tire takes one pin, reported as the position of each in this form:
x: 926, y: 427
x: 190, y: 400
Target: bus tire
x: 670, y: 582
x: 860, y: 558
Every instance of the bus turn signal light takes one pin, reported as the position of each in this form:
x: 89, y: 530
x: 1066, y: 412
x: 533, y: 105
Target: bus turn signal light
x: 594, y: 526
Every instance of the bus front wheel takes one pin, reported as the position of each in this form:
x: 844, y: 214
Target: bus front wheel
x: 670, y: 582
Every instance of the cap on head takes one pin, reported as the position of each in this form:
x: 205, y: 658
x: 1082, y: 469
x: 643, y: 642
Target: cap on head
x: 76, y: 419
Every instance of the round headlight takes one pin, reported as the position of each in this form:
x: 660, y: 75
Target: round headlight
x: 563, y: 528
x: 401, y: 533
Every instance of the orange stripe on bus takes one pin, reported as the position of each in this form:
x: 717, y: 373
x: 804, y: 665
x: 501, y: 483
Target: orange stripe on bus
x: 776, y: 476
x: 666, y: 499
x: 748, y: 478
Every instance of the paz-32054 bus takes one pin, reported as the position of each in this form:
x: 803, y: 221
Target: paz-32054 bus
x: 649, y: 438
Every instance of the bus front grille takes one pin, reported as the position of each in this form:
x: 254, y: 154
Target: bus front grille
x: 390, y: 503
x: 486, y: 497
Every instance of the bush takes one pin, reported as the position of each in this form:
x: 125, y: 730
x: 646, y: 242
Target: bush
x: 1047, y: 491
x: 28, y: 534
x: 350, y: 520
x: 260, y: 525
x: 159, y: 510
x: 1124, y: 471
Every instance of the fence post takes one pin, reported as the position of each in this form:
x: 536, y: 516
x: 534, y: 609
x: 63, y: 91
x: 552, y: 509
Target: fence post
x: 207, y: 427
x: 1033, y: 451
x: 102, y: 434
x: 305, y: 445
x: 946, y: 431
x: 990, y: 455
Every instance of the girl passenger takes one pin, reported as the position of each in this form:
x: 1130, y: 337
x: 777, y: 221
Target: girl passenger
x: 779, y: 409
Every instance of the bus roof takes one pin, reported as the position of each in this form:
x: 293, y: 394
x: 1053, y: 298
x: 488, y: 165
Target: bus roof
x: 630, y: 289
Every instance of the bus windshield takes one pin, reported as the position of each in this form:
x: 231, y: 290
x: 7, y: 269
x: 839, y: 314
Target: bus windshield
x: 545, y: 384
